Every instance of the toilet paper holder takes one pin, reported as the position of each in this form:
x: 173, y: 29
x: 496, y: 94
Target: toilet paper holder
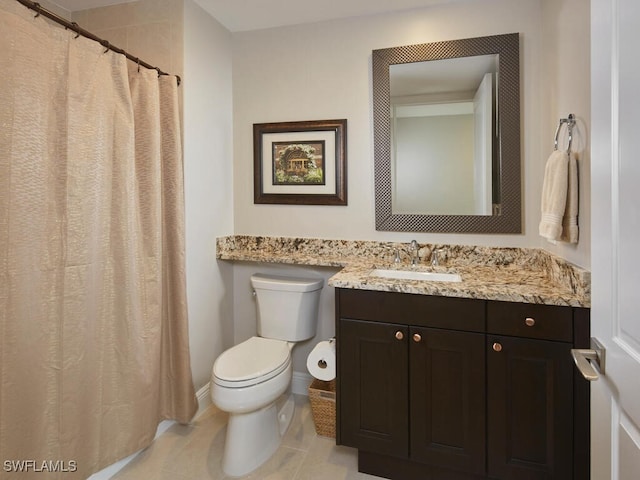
x: 321, y: 362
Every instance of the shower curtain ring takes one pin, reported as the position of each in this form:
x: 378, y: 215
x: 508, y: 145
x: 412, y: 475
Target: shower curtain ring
x: 76, y: 28
x: 106, y: 45
x: 37, y: 7
x: 138, y: 62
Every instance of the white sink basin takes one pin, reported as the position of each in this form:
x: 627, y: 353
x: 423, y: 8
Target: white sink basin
x: 416, y: 275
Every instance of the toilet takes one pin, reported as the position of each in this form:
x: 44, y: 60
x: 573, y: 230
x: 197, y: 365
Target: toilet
x: 250, y: 379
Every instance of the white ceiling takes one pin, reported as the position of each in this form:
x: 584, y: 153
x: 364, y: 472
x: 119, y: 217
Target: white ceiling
x: 242, y: 15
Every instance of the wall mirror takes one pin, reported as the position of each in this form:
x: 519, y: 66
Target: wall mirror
x: 447, y: 136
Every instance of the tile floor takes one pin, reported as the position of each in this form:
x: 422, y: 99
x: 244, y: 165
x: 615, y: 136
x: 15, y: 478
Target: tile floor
x: 194, y: 452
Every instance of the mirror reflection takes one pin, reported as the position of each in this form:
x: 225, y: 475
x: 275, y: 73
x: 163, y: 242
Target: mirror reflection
x: 447, y: 136
x: 443, y: 117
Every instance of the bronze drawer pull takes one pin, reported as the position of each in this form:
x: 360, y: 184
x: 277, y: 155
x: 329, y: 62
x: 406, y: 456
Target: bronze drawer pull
x: 399, y: 335
x: 417, y: 337
x: 530, y: 322
x: 497, y: 347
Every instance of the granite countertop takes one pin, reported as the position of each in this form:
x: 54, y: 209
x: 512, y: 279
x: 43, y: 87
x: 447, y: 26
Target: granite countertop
x: 507, y: 274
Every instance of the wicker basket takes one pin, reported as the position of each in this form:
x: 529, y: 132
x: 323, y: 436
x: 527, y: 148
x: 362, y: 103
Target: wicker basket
x: 322, y: 396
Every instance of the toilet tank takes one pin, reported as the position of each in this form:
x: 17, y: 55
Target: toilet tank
x: 287, y: 307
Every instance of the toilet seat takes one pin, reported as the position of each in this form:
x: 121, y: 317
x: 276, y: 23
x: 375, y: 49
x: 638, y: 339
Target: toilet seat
x: 251, y: 362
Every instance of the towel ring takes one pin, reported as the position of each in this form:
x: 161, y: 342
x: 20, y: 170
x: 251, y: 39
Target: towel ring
x: 570, y: 121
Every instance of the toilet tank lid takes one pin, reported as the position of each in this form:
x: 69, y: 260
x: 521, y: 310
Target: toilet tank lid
x: 281, y: 282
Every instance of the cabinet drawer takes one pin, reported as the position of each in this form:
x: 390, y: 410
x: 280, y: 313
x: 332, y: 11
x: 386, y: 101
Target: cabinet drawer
x: 406, y: 309
x: 548, y: 322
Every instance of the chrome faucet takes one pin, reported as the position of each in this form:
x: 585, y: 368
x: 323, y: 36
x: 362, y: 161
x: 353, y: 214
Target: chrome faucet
x: 414, y: 253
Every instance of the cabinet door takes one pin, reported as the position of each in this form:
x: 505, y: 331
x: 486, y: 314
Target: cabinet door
x: 530, y: 409
x: 373, y: 386
x: 447, y: 398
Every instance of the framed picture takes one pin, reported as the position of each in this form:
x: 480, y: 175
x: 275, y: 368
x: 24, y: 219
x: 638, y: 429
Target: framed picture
x: 303, y: 163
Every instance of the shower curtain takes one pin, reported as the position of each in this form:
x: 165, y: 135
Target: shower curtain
x: 93, y: 318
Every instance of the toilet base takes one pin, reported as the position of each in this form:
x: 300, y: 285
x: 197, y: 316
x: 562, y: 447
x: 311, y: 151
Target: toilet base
x: 252, y: 438
x: 285, y: 413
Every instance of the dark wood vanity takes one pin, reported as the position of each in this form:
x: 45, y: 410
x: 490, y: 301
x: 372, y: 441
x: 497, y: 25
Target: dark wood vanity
x: 447, y: 388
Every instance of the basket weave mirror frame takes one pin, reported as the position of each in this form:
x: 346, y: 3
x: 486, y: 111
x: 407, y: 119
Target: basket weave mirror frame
x: 508, y: 129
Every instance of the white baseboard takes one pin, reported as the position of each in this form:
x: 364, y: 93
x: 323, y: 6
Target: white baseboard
x: 204, y: 398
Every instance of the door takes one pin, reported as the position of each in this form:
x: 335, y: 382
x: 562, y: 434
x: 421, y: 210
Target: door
x: 482, y: 146
x: 615, y: 177
x: 447, y: 398
x: 374, y: 387
x: 529, y: 409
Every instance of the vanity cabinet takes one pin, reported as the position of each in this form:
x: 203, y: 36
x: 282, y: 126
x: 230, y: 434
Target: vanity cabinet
x: 419, y: 395
x: 530, y: 392
x: 461, y: 389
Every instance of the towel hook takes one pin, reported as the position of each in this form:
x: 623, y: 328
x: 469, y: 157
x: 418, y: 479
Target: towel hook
x: 570, y: 121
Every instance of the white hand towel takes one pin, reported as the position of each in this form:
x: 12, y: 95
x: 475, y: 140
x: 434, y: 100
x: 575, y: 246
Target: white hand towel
x: 554, y: 195
x: 570, y: 219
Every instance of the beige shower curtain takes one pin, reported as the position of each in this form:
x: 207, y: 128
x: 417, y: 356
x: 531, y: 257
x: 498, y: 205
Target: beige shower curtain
x: 93, y: 318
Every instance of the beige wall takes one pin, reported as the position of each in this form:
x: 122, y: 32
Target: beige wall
x: 566, y: 89
x: 322, y: 71
x: 208, y: 186
x: 149, y: 29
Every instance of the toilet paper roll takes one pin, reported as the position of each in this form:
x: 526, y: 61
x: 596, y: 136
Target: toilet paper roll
x: 321, y: 362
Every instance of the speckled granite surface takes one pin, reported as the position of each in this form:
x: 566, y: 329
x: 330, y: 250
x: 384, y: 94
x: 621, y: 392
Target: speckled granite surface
x: 507, y: 274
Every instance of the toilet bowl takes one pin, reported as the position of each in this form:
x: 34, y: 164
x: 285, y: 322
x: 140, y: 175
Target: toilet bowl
x: 249, y: 380
x: 251, y: 375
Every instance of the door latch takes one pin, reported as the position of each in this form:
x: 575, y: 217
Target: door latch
x: 584, y: 357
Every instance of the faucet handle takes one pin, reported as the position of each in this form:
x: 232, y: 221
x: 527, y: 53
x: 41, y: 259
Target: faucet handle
x: 437, y: 256
x: 396, y: 258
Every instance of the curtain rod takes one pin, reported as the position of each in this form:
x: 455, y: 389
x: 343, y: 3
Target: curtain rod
x: 73, y: 26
